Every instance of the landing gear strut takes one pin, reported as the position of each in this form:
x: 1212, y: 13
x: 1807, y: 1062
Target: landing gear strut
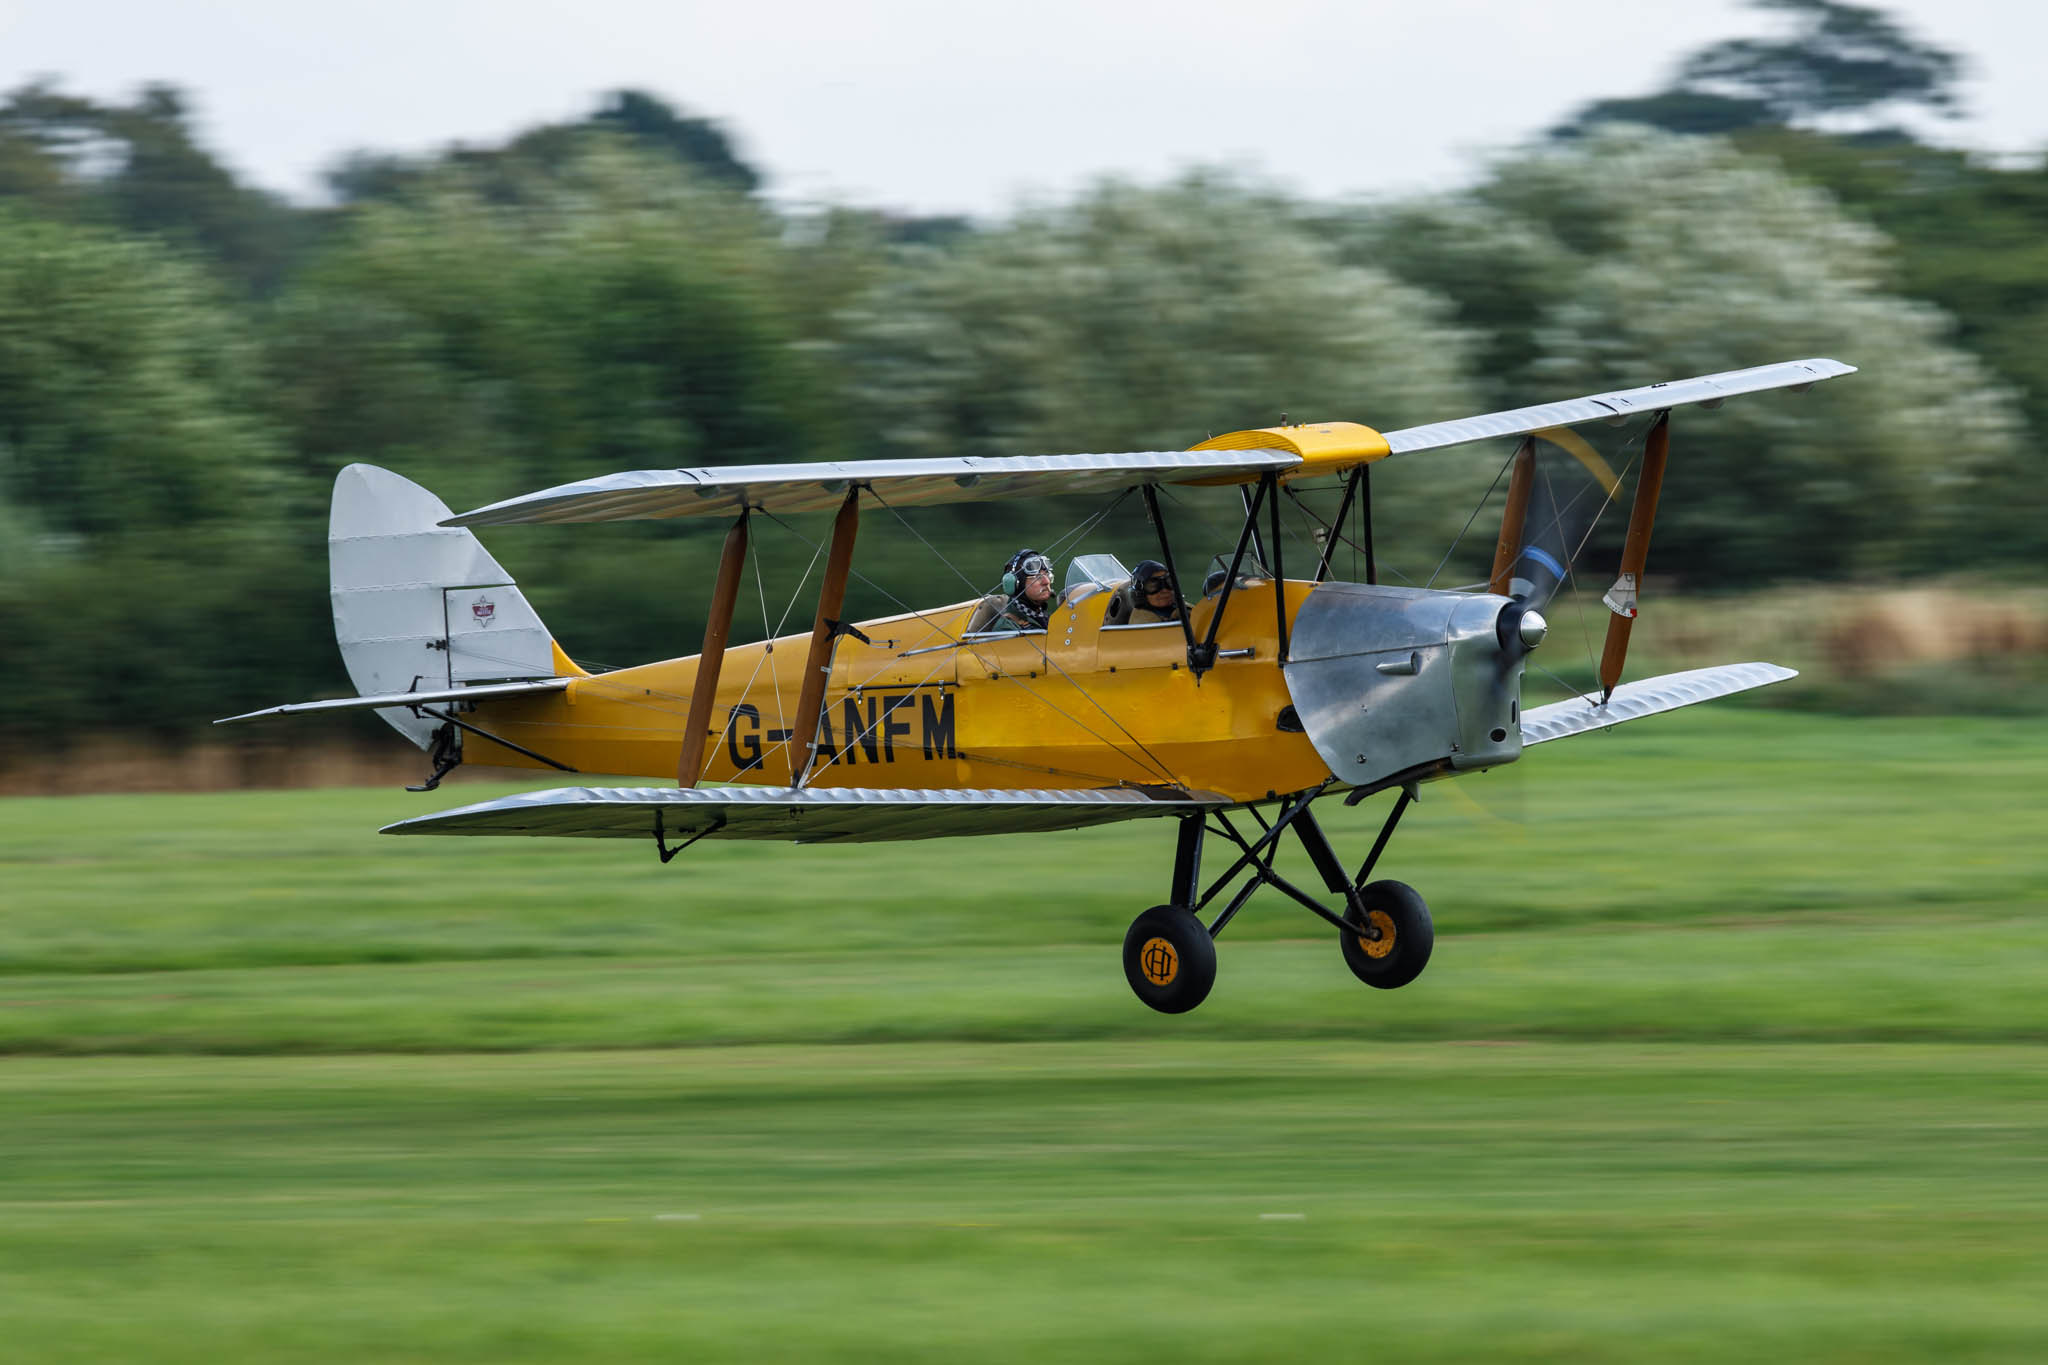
x: 1385, y: 930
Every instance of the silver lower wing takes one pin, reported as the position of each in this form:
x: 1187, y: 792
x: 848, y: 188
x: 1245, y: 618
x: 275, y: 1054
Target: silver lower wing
x: 1633, y: 701
x: 807, y: 815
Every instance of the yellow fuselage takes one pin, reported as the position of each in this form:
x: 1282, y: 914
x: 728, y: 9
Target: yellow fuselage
x: 1078, y: 706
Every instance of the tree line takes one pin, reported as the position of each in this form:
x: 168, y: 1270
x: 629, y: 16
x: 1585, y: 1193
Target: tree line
x: 185, y: 360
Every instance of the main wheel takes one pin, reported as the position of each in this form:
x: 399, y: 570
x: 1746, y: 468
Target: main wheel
x: 1169, y: 959
x: 1391, y: 946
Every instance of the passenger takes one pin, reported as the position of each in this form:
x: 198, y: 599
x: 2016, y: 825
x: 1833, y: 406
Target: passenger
x: 1152, y: 596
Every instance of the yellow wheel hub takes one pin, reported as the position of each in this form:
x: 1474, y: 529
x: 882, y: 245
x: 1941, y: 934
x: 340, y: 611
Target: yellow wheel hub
x: 1159, y: 961
x: 1384, y: 944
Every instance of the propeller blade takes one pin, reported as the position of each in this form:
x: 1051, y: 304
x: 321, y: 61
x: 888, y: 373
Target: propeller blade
x: 1569, y: 485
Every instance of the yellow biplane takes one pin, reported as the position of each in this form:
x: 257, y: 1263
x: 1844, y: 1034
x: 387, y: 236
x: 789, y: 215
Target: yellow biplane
x: 1266, y: 694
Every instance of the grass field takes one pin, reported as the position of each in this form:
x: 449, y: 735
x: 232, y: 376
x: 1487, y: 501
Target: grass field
x: 1732, y: 1048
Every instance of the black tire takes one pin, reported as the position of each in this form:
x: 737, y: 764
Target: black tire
x: 1405, y: 935
x: 1169, y: 959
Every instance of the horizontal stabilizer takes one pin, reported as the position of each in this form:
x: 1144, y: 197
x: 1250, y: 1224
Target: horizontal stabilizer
x: 803, y: 815
x: 446, y: 694
x: 1633, y: 701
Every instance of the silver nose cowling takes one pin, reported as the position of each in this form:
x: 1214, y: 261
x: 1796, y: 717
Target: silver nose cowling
x: 1519, y: 628
x: 1397, y: 683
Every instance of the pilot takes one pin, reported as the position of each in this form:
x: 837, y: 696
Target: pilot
x: 1025, y: 602
x: 1152, y: 595
x: 1027, y: 578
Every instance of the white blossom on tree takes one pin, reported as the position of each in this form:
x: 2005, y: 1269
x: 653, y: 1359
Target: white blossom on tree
x: 1630, y: 256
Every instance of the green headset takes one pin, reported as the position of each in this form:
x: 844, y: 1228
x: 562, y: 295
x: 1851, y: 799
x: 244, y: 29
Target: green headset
x: 1013, y: 572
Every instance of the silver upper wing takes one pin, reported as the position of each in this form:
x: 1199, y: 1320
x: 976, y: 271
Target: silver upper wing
x: 640, y: 494
x: 722, y: 490
x: 1708, y: 389
x: 802, y: 815
x: 1633, y: 701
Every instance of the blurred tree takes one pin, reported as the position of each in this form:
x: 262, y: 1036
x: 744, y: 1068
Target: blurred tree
x: 127, y: 386
x: 608, y: 294
x: 700, y: 145
x: 1144, y: 319
x: 613, y: 310
x: 1840, y: 59
x: 159, y: 633
x: 1965, y: 235
x: 1840, y: 63
x: 1971, y: 238
x: 1140, y: 320
x: 139, y: 167
x: 507, y: 327
x: 142, y: 495
x: 1630, y: 256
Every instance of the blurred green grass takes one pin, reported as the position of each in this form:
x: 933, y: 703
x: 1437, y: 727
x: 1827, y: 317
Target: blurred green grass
x: 1132, y: 1201
x: 1691, y: 818
x: 1731, y: 1048
x: 1973, y: 974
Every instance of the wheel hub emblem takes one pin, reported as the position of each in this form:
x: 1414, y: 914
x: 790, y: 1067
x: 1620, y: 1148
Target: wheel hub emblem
x: 1159, y: 961
x: 1381, y: 941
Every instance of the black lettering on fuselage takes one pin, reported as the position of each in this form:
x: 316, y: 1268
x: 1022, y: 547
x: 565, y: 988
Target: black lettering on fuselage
x: 743, y: 738
x: 938, y: 725
x: 870, y: 742
x: 922, y: 718
x: 892, y: 727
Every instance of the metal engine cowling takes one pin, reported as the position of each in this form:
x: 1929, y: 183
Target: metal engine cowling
x: 1393, y: 682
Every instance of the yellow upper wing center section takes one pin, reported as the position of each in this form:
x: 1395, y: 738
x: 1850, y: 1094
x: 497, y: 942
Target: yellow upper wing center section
x: 1324, y: 447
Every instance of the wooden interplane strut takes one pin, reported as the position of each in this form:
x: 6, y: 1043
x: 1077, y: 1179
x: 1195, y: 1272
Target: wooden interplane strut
x: 1642, y: 515
x: 1513, y: 518
x: 690, y: 765
x: 810, y: 706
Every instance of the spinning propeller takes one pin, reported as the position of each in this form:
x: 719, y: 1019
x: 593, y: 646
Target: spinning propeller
x: 1557, y: 489
x: 1552, y: 505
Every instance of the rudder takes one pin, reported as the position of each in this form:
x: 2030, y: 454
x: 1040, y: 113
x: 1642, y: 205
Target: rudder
x: 418, y: 605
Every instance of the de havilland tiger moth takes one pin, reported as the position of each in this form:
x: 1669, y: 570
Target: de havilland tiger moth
x: 1227, y: 717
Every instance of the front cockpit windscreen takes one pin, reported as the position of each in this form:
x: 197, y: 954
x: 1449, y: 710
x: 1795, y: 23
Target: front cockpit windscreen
x: 1089, y: 574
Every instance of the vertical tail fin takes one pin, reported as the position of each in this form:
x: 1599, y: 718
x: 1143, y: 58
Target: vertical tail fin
x: 417, y: 603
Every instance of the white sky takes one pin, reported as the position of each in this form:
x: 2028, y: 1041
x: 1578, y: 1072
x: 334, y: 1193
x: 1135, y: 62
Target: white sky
x: 952, y: 105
